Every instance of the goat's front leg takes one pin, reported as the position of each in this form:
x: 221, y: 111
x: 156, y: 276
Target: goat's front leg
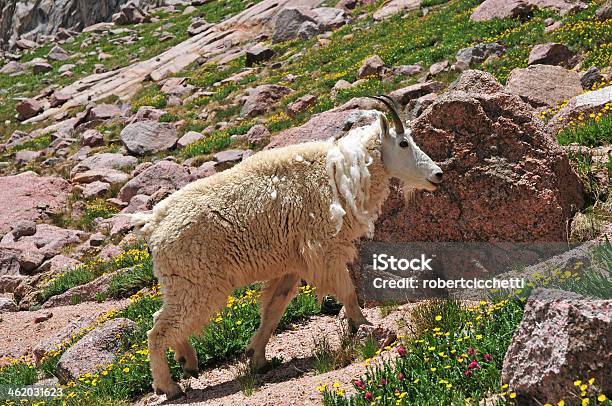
x: 344, y: 290
x: 275, y: 299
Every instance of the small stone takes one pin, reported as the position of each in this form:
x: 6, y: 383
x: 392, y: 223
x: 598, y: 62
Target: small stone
x: 44, y: 316
x: 550, y: 54
x: 28, y: 108
x: 373, y: 66
x: 24, y: 228
x: 57, y: 53
x: 92, y: 138
x: 438, y: 68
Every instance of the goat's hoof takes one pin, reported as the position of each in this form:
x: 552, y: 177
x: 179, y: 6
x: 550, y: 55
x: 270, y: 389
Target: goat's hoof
x: 174, y: 391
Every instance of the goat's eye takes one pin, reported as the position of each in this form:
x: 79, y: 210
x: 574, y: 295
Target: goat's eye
x: 404, y: 143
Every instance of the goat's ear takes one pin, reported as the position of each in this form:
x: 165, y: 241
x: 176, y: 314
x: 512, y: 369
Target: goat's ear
x: 384, y: 126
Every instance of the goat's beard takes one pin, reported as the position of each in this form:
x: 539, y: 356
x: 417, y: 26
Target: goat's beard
x: 408, y: 191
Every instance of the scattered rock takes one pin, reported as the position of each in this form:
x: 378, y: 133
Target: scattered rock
x: 146, y: 113
x: 331, y: 123
x: 177, y: 87
x: 95, y: 350
x: 329, y: 18
x: 95, y: 189
x: 103, y: 112
x: 28, y: 108
x: 13, y: 67
x: 395, y: 6
x: 407, y: 70
x: 550, y: 54
x: 7, y: 305
x: 259, y: 100
x: 490, y: 9
x: 230, y: 156
x: 57, y: 53
x: 544, y: 85
x: 106, y: 175
x: 131, y: 14
x: 405, y: 94
x: 307, y: 30
x: 55, y: 341
x: 24, y: 228
x: 49, y: 240
x: 198, y: 26
x: 288, y: 23
x: 9, y: 261
x: 416, y: 107
x: 258, y: 54
x: 148, y: 137
x: 373, y: 66
x: 43, y: 317
x: 42, y: 66
x: 478, y: 53
x: 163, y: 174
x: 81, y: 293
x: 25, y: 156
x: 257, y: 134
x: 105, y: 160
x: 58, y: 98
x: 205, y: 170
x: 29, y: 261
x: 438, y: 68
x: 92, y: 138
x: 189, y: 137
x: 562, y: 337
x: 584, y: 104
x: 591, y: 77
x: 301, y: 105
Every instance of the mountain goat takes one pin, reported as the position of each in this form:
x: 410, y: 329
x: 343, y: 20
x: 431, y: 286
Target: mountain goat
x: 281, y: 216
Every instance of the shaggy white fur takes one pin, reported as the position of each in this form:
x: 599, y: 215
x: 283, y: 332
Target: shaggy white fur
x: 280, y: 216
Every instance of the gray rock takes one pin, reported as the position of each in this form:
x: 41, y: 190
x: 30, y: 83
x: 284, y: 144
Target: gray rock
x: 131, y: 14
x: 7, y: 305
x: 92, y: 138
x: 562, y: 337
x: 373, y: 66
x: 198, y: 26
x: 257, y: 54
x: 260, y: 99
x: 95, y: 189
x: 103, y: 112
x: 9, y: 261
x: 591, y: 77
x: 405, y: 94
x: 24, y: 228
x: 329, y: 18
x: 57, y: 53
x: 301, y: 105
x: 105, y: 160
x: 478, y: 53
x: 106, y: 175
x: 96, y: 349
x: 13, y: 67
x: 41, y: 67
x: 438, y: 68
x: 189, y: 137
x: 407, y: 70
x: 148, y: 137
x: 229, y: 156
x: 307, y: 30
x: 163, y: 174
x: 29, y: 261
x: 257, y: 134
x: 288, y: 23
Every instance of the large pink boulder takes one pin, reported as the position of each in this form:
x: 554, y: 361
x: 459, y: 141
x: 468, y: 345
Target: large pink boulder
x: 504, y: 179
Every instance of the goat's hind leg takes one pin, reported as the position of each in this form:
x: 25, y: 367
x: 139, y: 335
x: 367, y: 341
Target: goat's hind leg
x: 275, y: 299
x: 159, y: 341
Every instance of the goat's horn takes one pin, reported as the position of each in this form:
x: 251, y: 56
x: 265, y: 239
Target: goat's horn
x: 390, y: 103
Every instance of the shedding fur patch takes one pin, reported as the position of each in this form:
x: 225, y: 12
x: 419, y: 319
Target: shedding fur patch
x: 347, y: 169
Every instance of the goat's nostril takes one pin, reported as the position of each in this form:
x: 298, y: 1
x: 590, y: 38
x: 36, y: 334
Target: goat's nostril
x: 438, y: 176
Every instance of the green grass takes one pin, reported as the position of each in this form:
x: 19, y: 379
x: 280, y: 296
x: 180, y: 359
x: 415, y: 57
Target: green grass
x: 595, y: 132
x: 35, y: 144
x: 93, y: 210
x: 18, y: 373
x: 122, y: 285
x: 66, y: 281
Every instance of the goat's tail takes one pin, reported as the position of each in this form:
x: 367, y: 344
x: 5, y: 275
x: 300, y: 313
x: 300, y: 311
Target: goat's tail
x: 142, y: 224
